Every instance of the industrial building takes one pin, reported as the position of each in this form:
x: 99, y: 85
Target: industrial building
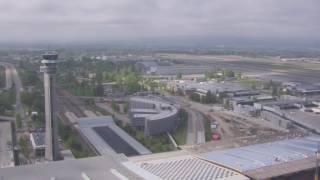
x: 280, y: 159
x: 285, y: 159
x: 202, y: 88
x: 162, y: 166
x: 303, y: 89
x: 153, y: 114
x: 106, y: 137
x: 168, y: 68
x: 182, y: 165
x: 283, y: 113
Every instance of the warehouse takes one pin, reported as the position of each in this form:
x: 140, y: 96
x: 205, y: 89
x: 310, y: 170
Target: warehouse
x: 286, y: 158
x: 182, y: 165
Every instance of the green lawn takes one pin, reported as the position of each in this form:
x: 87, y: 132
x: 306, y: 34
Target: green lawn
x: 207, y: 128
x: 250, y: 82
x: 100, y: 110
x: 72, y: 141
x: 180, y: 134
x: 156, y: 144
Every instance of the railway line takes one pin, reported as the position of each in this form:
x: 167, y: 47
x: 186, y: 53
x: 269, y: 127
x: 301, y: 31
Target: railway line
x: 67, y: 103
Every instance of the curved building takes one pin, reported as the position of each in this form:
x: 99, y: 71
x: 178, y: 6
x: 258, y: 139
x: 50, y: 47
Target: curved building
x: 153, y: 115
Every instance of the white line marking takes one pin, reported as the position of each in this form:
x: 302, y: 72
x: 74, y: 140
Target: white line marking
x: 117, y: 174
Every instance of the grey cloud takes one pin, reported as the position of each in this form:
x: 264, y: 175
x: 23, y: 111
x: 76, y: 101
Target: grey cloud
x: 68, y: 20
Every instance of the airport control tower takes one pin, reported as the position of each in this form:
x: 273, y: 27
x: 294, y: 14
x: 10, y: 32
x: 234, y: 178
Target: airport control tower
x: 49, y: 69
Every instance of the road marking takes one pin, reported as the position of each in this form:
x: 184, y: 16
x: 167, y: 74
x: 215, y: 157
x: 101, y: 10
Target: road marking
x: 118, y: 174
x: 85, y: 176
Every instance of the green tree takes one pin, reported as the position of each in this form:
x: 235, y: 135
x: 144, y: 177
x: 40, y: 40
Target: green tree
x: 24, y: 146
x: 228, y: 73
x: 179, y: 75
x: 18, y: 121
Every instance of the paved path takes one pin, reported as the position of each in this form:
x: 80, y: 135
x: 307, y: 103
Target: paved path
x: 196, y: 132
x: 195, y: 127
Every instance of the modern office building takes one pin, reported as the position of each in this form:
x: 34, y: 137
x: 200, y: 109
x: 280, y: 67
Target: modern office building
x: 153, y: 115
x: 49, y: 69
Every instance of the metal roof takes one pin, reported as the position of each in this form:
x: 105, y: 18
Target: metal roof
x: 88, y: 124
x: 37, y: 139
x: 187, y: 167
x: 162, y: 109
x: 212, y: 86
x: 95, y: 168
x: 265, y: 155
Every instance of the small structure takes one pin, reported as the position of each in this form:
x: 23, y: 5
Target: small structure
x: 37, y: 140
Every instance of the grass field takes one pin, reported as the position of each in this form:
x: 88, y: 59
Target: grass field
x: 207, y: 128
x: 180, y: 134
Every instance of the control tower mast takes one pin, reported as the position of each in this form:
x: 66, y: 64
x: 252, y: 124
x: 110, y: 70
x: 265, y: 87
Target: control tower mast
x: 49, y: 69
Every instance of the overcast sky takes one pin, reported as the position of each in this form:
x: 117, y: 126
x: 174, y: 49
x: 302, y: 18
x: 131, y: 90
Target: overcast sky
x: 103, y: 20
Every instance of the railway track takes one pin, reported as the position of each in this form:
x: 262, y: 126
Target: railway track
x: 68, y: 103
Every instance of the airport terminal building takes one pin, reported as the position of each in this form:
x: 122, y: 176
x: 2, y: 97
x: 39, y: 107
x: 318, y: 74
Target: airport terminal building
x: 153, y: 115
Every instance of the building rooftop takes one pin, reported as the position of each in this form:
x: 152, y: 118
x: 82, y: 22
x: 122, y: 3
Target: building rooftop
x: 307, y: 119
x: 108, y: 138
x: 37, y: 140
x: 6, y: 149
x: 212, y: 86
x: 162, y: 109
x: 276, y: 154
x: 95, y: 168
x: 176, y: 165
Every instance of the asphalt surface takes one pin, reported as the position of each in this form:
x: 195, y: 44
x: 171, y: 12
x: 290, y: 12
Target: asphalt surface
x: 195, y: 127
x: 12, y: 77
x: 196, y: 132
x: 264, y: 68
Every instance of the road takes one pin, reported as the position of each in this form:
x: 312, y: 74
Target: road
x: 195, y: 127
x: 196, y: 132
x: 12, y: 77
x: 69, y: 103
x: 9, y: 82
